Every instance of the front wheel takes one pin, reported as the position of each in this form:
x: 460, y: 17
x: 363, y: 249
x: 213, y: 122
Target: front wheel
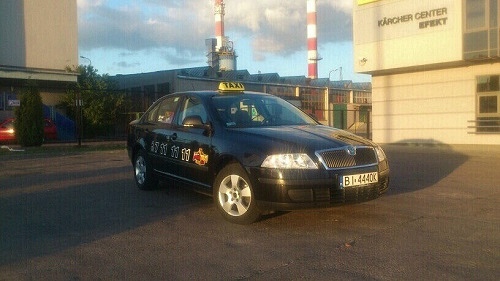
x: 143, y: 175
x: 234, y: 196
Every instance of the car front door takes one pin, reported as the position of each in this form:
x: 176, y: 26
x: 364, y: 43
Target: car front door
x: 191, y: 142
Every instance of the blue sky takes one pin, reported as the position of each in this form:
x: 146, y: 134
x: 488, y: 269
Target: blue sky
x: 122, y: 37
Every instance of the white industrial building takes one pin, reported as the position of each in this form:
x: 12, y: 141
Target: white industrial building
x: 435, y: 67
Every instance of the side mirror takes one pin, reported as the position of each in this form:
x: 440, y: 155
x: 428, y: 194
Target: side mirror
x: 193, y: 121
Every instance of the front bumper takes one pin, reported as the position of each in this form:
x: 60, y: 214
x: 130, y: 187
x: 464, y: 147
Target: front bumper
x: 288, y: 190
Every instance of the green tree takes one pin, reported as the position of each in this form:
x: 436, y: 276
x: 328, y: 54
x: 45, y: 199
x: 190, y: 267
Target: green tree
x: 29, y: 117
x: 103, y: 105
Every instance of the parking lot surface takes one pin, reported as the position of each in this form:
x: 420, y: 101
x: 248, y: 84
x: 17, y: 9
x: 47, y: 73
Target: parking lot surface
x: 79, y: 216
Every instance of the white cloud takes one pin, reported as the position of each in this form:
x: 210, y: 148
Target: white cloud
x: 84, y: 5
x: 179, y: 28
x: 344, y: 6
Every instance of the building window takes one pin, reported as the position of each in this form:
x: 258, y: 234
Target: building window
x: 5, y: 99
x: 313, y: 101
x: 488, y: 106
x: 481, y: 36
x: 362, y: 98
x: 2, y: 101
x: 163, y: 89
x: 281, y: 91
x: 339, y: 96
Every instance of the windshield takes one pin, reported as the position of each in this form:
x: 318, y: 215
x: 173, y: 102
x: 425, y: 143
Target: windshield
x: 254, y: 110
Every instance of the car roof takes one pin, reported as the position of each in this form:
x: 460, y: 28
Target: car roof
x: 209, y: 94
x: 206, y: 95
x: 217, y: 93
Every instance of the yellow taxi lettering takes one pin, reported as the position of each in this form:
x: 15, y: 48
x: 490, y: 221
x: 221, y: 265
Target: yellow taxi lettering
x: 231, y: 87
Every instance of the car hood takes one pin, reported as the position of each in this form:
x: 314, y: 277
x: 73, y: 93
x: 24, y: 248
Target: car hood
x: 302, y: 138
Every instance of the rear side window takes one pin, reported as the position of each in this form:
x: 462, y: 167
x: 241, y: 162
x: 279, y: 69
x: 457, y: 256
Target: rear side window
x: 166, y: 110
x: 151, y: 117
x: 163, y: 112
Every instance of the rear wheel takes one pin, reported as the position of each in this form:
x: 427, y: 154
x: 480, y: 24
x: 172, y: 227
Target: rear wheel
x: 234, y: 196
x: 143, y: 172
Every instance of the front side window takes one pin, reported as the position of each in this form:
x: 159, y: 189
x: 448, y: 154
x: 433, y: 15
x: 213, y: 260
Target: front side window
x: 192, y: 106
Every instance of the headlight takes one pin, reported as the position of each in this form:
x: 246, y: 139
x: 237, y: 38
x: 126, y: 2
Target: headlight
x: 289, y: 161
x: 380, y: 153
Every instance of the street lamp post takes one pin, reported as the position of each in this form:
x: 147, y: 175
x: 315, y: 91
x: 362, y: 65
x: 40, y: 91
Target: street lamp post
x: 79, y: 110
x: 79, y: 117
x: 85, y: 58
x: 331, y: 71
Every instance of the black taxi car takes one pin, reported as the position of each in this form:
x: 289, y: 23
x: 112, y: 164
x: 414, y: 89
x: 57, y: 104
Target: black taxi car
x: 254, y: 153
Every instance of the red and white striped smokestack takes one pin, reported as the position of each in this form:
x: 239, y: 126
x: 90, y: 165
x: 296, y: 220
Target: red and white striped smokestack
x: 312, y: 40
x: 219, y: 23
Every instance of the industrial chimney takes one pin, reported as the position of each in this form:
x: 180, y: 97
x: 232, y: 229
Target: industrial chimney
x: 312, y: 41
x: 219, y: 23
x: 221, y: 54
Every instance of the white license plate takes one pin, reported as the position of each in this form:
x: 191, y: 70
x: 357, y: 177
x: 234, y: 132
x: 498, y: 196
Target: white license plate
x: 359, y: 179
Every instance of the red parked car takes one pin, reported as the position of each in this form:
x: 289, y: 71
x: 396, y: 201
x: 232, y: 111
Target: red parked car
x: 7, y: 130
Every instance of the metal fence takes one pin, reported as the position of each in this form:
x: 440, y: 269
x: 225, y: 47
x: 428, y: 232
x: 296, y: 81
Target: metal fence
x: 357, y: 121
x: 484, y: 125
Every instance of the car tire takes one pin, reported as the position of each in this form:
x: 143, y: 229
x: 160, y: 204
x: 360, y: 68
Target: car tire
x: 144, y: 178
x: 234, y: 196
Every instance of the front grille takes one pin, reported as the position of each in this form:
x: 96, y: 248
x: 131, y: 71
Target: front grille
x: 336, y: 195
x: 341, y: 158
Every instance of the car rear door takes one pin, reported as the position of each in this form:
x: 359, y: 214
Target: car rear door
x: 159, y: 134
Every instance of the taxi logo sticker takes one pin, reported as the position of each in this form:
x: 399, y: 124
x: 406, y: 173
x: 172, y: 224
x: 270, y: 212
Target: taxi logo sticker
x: 200, y: 158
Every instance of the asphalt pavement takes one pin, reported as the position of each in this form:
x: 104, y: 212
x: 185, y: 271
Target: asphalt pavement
x: 67, y: 215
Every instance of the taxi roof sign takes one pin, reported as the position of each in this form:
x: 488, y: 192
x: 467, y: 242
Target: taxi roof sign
x: 231, y: 87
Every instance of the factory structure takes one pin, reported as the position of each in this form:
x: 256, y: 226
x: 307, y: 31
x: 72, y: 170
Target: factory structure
x: 222, y: 55
x: 21, y: 61
x: 312, y: 40
x: 342, y: 104
x: 435, y: 67
x: 220, y: 51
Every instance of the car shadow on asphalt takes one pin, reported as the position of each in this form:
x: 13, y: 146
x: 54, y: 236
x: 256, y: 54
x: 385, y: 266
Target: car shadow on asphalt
x: 43, y: 222
x: 418, y: 166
